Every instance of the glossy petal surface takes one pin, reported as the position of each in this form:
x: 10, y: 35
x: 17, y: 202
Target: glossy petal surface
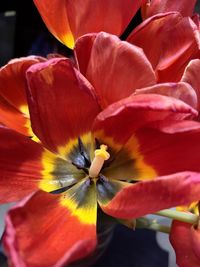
x: 62, y: 102
x: 150, y: 153
x: 42, y: 222
x: 168, y: 58
x: 154, y: 7
x: 113, y: 67
x: 78, y: 17
x: 166, y: 152
x: 168, y: 159
x: 181, y: 240
x: 13, y: 103
x: 20, y: 165
x: 116, y: 124
x: 13, y: 80
x: 12, y: 118
x: 150, y: 196
x: 182, y: 91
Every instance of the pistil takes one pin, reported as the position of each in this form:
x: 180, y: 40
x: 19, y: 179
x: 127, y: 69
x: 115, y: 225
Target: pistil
x: 100, y: 156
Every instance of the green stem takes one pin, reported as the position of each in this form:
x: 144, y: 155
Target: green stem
x: 160, y: 228
x: 179, y: 216
x: 152, y: 225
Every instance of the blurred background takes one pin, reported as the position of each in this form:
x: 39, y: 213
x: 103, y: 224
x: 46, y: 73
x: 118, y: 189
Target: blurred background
x: 23, y: 33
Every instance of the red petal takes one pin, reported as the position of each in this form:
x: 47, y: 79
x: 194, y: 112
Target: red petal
x: 13, y: 81
x: 191, y: 76
x: 60, y: 28
x: 150, y: 153
x: 113, y: 67
x: 182, y: 91
x: 196, y: 19
x: 12, y: 118
x: 121, y: 119
x: 62, y: 102
x: 20, y: 165
x: 195, y: 233
x: 181, y: 240
x: 13, y: 103
x: 77, y: 18
x: 150, y: 196
x: 83, y: 49
x: 171, y: 127
x: 168, y: 58
x: 42, y: 232
x: 174, y: 150
x: 154, y: 7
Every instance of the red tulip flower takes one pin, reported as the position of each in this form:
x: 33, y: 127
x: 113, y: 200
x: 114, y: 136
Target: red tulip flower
x: 137, y: 156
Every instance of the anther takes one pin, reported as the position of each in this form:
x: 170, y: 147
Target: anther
x: 100, y: 156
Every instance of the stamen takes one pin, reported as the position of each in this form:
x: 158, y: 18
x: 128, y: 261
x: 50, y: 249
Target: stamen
x: 100, y: 156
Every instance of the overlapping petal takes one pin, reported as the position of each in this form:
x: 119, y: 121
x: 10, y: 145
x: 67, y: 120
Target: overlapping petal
x: 181, y: 90
x: 20, y: 165
x: 44, y: 230
x: 68, y: 20
x: 168, y: 161
x: 153, y: 7
x: 196, y: 19
x: 113, y: 67
x: 13, y: 80
x: 191, y: 76
x: 62, y: 103
x: 168, y: 58
x: 150, y: 196
x: 13, y: 103
x: 121, y: 119
x: 185, y: 240
x: 165, y: 152
x: 12, y: 118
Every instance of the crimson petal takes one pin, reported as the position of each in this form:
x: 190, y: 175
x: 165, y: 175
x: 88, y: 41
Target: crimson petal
x: 79, y: 17
x: 13, y: 101
x: 181, y: 239
x: 13, y: 80
x: 20, y: 165
x: 191, y: 76
x: 41, y: 231
x: 182, y: 91
x: 113, y: 67
x: 168, y: 58
x: 154, y: 7
x: 116, y: 124
x: 62, y: 102
x: 151, y: 196
x: 170, y: 148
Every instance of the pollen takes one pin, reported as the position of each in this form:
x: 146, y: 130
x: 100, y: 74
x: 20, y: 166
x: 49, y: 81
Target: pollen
x: 100, y: 156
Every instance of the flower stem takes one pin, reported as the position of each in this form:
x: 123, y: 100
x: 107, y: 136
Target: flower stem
x: 160, y: 228
x: 152, y: 225
x: 179, y: 216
